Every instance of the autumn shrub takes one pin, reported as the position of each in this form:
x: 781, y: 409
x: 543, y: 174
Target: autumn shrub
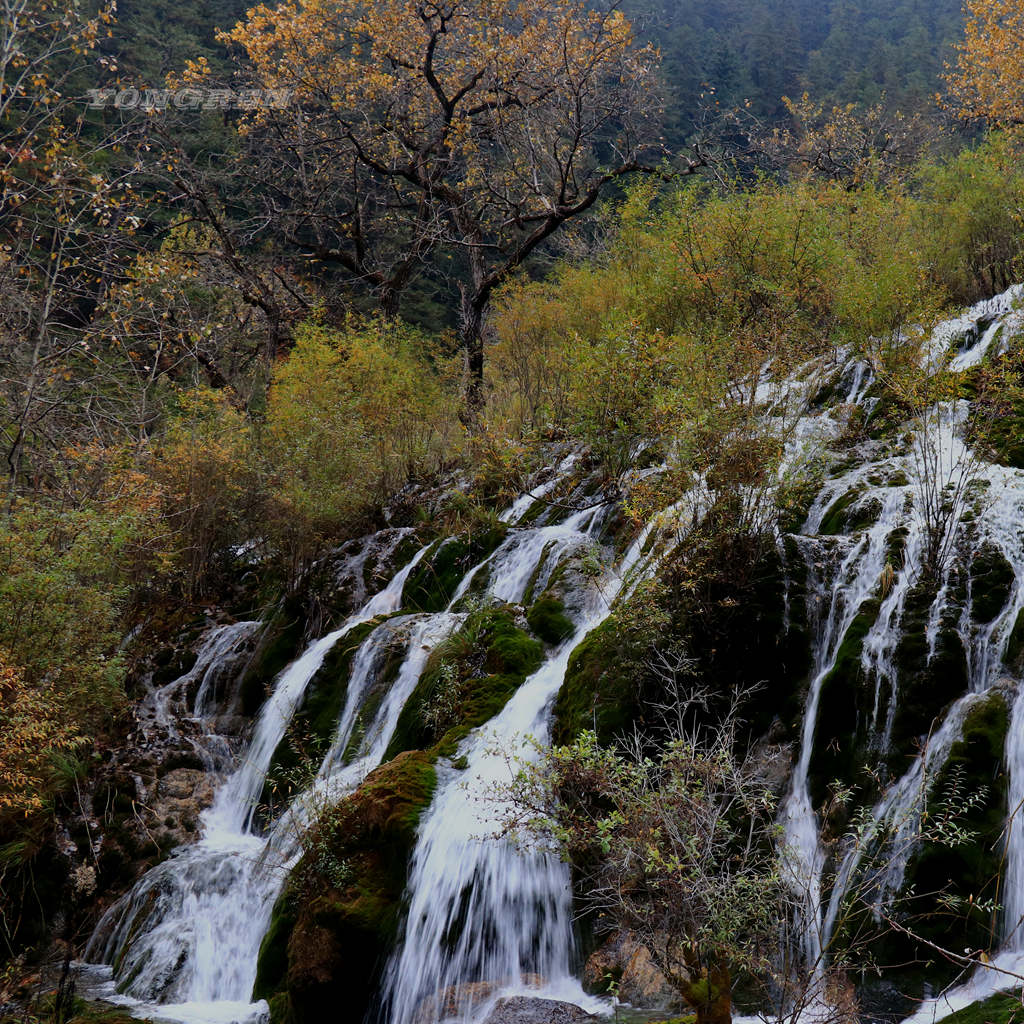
x: 65, y: 588
x: 717, y: 283
x: 207, y: 470
x: 973, y: 213
x: 352, y: 415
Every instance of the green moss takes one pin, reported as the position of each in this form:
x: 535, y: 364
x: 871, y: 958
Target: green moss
x: 1004, y: 435
x: 926, y: 683
x: 272, y: 965
x: 1015, y: 644
x: 332, y: 930
x: 432, y: 584
x: 844, y: 706
x: 837, y: 518
x: 992, y: 579
x: 970, y: 869
x: 474, y: 673
x: 278, y: 647
x: 548, y: 620
x: 280, y: 1005
x: 1002, y: 1008
x: 600, y: 691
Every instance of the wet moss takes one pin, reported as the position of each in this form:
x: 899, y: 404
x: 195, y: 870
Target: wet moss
x: 337, y: 920
x: 601, y: 687
x: 432, y: 584
x: 839, y: 516
x: 278, y: 646
x: 272, y: 965
x: 81, y: 1011
x: 548, y: 620
x: 926, y: 684
x: 972, y: 783
x: 1002, y: 1008
x: 1014, y: 656
x: 992, y: 579
x: 468, y: 679
x: 841, y: 741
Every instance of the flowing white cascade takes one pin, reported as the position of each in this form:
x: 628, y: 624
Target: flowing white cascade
x: 184, y: 942
x: 855, y: 579
x: 939, y: 440
x: 899, y: 810
x: 480, y: 910
x: 338, y: 775
x: 162, y: 711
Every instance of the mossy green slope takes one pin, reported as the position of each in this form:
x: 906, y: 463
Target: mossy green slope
x: 332, y: 928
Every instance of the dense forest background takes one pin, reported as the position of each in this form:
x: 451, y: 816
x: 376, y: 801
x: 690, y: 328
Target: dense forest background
x: 733, y: 53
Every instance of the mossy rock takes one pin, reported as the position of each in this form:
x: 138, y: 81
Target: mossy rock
x: 82, y: 1011
x: 479, y: 667
x: 600, y: 691
x: 992, y: 579
x: 1014, y: 655
x: 548, y: 620
x: 334, y: 926
x: 1002, y: 1008
x: 844, y: 706
x: 926, y: 685
x: 843, y: 515
x: 279, y: 645
x: 970, y: 870
x: 170, y: 663
x: 432, y: 584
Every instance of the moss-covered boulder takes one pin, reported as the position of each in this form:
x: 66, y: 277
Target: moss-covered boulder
x: 468, y: 679
x: 1014, y: 655
x: 548, y: 620
x: 432, y: 584
x: 1002, y: 1008
x: 602, y: 685
x: 335, y: 924
x: 279, y: 644
x: 969, y: 791
x: 844, y: 707
x: 974, y: 781
x: 716, y: 625
x: 992, y: 579
x: 929, y: 679
x: 848, y: 514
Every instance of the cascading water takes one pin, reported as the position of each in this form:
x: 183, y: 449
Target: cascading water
x: 485, y: 919
x: 481, y: 910
x: 994, y: 521
x: 855, y: 579
x: 186, y: 938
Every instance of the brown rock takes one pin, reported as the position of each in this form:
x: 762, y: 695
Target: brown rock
x: 640, y: 983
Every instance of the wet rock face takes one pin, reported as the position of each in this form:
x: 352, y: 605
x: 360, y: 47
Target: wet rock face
x: 625, y: 961
x: 181, y: 795
x: 525, y: 1010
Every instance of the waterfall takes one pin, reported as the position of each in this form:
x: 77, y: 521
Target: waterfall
x: 186, y: 938
x: 855, y: 579
x: 484, y: 917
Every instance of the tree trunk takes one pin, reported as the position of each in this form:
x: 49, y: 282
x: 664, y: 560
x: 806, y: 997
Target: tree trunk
x: 711, y: 996
x: 471, y: 337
